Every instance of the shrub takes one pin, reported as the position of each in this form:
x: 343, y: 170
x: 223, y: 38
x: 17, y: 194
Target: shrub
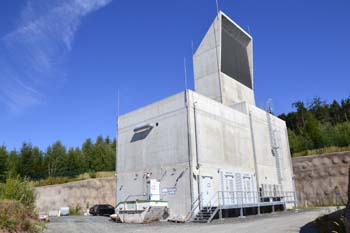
x: 75, y: 210
x: 15, y: 189
x: 16, y: 217
x: 17, y: 207
x: 92, y: 175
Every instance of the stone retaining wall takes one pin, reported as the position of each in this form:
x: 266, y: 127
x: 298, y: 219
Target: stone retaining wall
x: 85, y: 193
x: 322, y: 179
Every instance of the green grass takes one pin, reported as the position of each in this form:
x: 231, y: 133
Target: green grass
x: 324, y: 150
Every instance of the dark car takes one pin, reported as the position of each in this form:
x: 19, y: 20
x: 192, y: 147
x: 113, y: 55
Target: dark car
x: 102, y: 210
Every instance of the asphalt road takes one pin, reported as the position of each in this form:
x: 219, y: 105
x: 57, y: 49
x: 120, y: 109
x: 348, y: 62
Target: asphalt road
x: 279, y: 222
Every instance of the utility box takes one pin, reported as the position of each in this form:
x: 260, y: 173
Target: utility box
x: 153, y: 190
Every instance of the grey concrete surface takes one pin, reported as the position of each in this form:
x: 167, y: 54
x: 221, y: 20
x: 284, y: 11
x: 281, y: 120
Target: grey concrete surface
x: 269, y: 223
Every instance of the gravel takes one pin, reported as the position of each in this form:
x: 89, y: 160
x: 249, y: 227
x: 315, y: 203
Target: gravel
x: 290, y: 221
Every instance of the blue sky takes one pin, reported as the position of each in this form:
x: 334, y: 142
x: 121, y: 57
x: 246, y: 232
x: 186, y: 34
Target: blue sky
x: 62, y: 61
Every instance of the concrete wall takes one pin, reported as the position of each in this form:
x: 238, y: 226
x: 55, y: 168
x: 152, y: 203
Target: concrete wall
x: 266, y: 160
x: 162, y: 153
x: 234, y: 92
x: 316, y: 178
x: 206, y: 63
x: 227, y: 139
x: 210, y: 81
x: 191, y: 142
x: 85, y: 192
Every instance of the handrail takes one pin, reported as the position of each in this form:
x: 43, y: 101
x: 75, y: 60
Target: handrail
x: 195, y: 204
x: 242, y: 199
x: 127, y: 198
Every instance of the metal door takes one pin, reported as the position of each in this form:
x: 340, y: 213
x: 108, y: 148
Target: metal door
x: 207, y: 191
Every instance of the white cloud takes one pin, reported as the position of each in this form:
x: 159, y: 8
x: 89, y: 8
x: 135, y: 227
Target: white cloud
x: 30, y: 55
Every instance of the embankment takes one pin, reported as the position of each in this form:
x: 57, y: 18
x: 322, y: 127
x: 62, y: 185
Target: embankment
x: 85, y: 193
x: 322, y: 179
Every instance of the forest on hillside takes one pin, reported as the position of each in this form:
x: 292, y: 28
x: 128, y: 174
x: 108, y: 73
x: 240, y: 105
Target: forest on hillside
x: 57, y: 161
x: 318, y: 124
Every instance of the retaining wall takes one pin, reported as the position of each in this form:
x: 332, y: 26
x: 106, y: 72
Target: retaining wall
x: 85, y: 193
x: 322, y: 179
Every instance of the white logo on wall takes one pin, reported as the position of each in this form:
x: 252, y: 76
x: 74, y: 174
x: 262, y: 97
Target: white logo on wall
x: 169, y: 191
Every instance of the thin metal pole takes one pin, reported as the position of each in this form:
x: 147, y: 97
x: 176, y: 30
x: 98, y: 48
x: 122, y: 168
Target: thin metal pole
x: 185, y: 73
x: 118, y: 103
x: 116, y: 149
x: 241, y: 210
x: 192, y: 47
x: 220, y: 208
x: 217, y: 7
x: 189, y: 147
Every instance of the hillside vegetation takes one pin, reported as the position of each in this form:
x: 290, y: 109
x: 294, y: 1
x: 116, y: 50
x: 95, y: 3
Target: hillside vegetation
x: 17, y: 213
x: 318, y: 127
x: 57, y: 163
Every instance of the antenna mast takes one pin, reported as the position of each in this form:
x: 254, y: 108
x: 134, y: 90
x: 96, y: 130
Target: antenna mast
x: 185, y: 73
x: 118, y: 104
x: 217, y: 7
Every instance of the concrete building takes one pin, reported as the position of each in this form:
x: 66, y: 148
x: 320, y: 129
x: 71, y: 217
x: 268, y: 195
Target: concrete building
x: 212, y: 148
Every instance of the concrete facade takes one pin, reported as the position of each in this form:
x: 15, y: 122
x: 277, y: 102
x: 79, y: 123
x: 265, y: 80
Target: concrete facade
x: 211, y: 59
x: 210, y: 142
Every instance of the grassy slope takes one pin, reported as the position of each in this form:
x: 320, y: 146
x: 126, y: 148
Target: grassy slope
x: 63, y: 180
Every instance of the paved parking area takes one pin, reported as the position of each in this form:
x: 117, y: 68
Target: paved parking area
x: 279, y: 222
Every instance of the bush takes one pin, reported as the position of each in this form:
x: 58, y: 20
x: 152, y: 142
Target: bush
x: 16, y: 217
x: 92, y: 175
x: 15, y: 189
x: 17, y: 207
x: 75, y: 210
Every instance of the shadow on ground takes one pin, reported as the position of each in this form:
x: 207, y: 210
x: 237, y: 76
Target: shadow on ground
x: 309, y: 228
x: 334, y: 222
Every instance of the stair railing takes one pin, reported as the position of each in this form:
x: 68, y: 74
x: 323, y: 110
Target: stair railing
x: 195, y: 205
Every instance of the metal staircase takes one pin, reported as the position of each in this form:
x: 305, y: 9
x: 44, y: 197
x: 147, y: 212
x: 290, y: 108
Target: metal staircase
x: 236, y: 199
x: 205, y: 215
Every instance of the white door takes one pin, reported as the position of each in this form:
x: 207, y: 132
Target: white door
x: 247, y: 188
x: 229, y: 195
x: 207, y: 191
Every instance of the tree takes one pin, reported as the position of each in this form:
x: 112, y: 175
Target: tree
x: 12, y: 164
x: 26, y: 165
x: 33, y: 163
x: 74, y: 161
x: 345, y: 106
x: 319, y: 109
x: 87, y: 149
x: 3, y: 163
x: 38, y: 164
x: 335, y: 112
x: 54, y: 159
x: 301, y: 110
